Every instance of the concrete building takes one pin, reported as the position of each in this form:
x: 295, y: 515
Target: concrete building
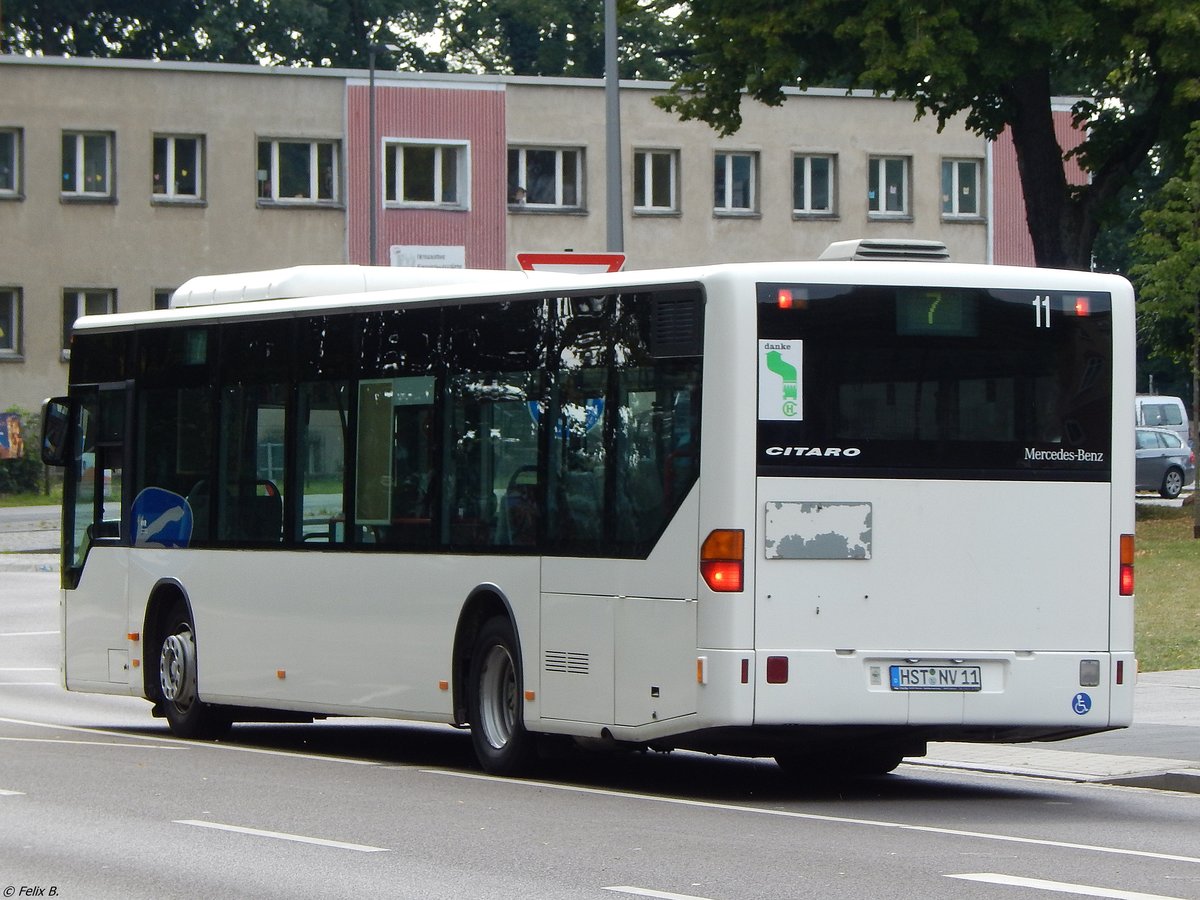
x: 121, y: 179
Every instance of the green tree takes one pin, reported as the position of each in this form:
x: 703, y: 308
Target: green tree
x: 997, y: 62
x: 1166, y: 269
x: 559, y: 37
x: 522, y: 37
x: 289, y: 32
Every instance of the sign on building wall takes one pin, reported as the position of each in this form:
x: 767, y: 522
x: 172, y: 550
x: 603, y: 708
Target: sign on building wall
x: 428, y: 257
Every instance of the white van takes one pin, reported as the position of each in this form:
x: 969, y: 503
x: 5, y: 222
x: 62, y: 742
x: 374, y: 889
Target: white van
x: 1164, y: 412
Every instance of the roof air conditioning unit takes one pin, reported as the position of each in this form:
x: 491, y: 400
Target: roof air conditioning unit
x: 873, y: 248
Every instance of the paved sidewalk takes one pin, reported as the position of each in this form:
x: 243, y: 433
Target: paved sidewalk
x: 1166, y: 712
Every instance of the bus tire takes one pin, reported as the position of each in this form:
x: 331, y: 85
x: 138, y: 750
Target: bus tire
x: 187, y: 715
x: 495, y: 701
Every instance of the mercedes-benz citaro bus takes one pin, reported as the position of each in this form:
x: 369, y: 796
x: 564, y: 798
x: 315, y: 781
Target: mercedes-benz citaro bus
x: 824, y: 511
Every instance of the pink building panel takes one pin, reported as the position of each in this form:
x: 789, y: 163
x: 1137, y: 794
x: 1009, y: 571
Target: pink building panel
x: 1012, y: 244
x: 471, y: 116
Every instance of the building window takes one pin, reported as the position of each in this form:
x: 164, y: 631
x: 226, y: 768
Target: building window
x: 960, y: 188
x: 162, y: 298
x: 812, y: 185
x: 545, y: 177
x: 298, y: 171
x: 655, y: 176
x: 887, y: 186
x: 426, y: 174
x: 10, y: 162
x: 87, y: 164
x: 84, y: 302
x: 177, y: 168
x: 10, y: 323
x: 734, y: 182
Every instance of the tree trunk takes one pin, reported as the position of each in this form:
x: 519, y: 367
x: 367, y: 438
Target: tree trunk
x: 1055, y: 219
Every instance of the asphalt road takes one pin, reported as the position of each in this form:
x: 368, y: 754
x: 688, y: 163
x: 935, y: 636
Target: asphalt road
x: 97, y: 801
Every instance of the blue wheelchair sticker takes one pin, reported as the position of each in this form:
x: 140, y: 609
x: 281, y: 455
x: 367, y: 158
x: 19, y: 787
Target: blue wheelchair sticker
x: 161, y: 518
x: 1082, y: 704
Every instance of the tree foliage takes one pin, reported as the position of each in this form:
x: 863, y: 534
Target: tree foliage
x: 521, y: 37
x: 995, y: 62
x: 1166, y: 270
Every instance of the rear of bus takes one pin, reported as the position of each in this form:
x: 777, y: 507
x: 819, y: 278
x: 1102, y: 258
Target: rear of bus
x: 944, y: 507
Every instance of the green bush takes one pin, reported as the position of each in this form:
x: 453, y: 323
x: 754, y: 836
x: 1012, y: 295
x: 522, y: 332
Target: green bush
x: 25, y: 474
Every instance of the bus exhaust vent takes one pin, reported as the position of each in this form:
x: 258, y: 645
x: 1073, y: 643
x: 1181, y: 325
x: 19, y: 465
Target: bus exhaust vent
x: 872, y: 248
x: 568, y: 661
x: 677, y: 326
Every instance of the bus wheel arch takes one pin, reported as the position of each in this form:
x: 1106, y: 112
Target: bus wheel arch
x: 171, y: 666
x: 489, y: 684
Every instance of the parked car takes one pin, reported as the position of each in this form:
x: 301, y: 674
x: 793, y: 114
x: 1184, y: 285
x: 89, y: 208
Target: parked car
x: 1164, y: 462
x: 1160, y: 411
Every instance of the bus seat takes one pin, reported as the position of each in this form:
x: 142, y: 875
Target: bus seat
x: 518, y: 523
x: 260, y: 513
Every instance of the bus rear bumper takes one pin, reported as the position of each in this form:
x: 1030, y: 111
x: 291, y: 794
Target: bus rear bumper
x: 1034, y: 691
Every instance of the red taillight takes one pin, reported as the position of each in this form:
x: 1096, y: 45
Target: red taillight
x: 777, y: 670
x: 785, y: 298
x: 1083, y: 306
x: 721, y: 557
x: 1126, y: 572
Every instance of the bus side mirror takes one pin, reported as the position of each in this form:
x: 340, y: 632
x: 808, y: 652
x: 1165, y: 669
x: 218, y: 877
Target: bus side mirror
x: 55, y: 419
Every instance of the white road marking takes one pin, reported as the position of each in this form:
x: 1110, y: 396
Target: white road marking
x: 196, y: 745
x: 1060, y: 887
x: 646, y: 892
x: 279, y: 835
x: 816, y: 817
x: 21, y: 740
x: 28, y: 669
x: 4, y: 793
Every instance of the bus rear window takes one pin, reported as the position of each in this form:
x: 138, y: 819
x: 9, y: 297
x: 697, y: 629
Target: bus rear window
x: 917, y: 382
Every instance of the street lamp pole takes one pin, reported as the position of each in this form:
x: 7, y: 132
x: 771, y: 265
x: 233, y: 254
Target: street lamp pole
x: 614, y: 212
x: 371, y: 164
x: 373, y: 150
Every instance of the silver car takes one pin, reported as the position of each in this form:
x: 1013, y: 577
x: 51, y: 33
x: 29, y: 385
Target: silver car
x: 1164, y: 463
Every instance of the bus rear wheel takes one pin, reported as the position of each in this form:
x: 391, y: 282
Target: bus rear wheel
x: 187, y: 715
x: 496, y: 704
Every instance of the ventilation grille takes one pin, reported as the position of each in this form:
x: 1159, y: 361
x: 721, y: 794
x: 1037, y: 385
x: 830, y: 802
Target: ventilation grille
x: 568, y: 661
x: 677, y: 324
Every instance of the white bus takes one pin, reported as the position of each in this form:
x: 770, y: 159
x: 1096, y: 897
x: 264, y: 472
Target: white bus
x: 822, y: 511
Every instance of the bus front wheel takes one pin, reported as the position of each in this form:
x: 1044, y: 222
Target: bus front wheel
x: 187, y: 715
x: 496, y: 705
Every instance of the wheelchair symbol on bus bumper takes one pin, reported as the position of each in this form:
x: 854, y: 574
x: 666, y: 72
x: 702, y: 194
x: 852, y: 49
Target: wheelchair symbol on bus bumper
x: 1082, y: 704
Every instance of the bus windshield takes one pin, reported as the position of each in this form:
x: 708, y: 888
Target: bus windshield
x: 914, y: 382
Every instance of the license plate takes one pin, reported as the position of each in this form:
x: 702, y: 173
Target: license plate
x: 935, y: 678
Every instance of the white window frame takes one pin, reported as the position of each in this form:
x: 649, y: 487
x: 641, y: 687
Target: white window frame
x: 83, y: 301
x: 560, y: 168
x: 270, y: 175
x: 170, y: 191
x: 12, y: 186
x: 723, y: 189
x: 77, y: 175
x: 877, y: 200
x: 805, y: 161
x: 643, y: 171
x: 394, y: 174
x: 952, y: 189
x: 10, y: 322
